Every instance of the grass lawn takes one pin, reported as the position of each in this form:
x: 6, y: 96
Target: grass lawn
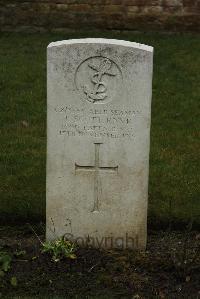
x: 56, y: 297
x: 174, y: 161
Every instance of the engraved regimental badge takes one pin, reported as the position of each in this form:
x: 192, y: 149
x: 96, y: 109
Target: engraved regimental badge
x: 98, y: 79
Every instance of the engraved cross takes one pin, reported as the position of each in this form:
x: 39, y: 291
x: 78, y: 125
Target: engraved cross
x: 96, y: 169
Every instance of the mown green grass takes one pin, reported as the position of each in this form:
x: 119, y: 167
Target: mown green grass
x: 174, y: 160
x: 56, y: 297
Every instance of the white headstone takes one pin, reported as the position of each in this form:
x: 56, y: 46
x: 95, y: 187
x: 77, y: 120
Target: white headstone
x: 99, y: 103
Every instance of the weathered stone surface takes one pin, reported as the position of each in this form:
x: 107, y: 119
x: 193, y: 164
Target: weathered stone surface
x: 62, y: 15
x: 99, y: 99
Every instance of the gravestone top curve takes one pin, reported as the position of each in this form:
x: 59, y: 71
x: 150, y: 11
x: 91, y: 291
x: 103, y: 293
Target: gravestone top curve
x: 102, y: 41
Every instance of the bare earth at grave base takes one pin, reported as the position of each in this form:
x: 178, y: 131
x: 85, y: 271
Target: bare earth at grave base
x: 169, y: 268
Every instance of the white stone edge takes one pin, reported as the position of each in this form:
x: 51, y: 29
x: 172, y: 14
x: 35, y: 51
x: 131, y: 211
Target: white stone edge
x: 101, y: 41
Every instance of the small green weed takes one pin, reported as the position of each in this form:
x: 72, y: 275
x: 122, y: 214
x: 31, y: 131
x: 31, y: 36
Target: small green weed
x: 59, y: 249
x: 5, y: 265
x: 5, y: 262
